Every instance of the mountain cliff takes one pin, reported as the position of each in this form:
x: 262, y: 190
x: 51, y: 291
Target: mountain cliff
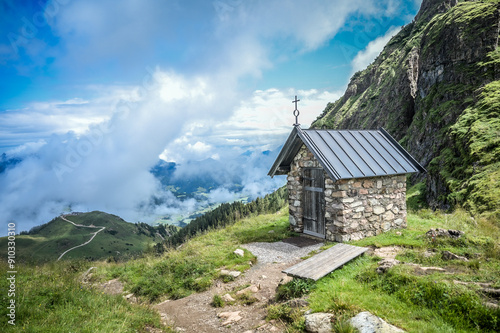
x: 435, y: 88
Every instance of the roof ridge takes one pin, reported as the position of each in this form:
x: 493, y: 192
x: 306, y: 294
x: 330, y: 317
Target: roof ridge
x: 369, y: 153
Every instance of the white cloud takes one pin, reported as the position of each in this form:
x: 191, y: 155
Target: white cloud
x: 97, y: 152
x: 259, y: 123
x: 107, y: 166
x: 366, y: 56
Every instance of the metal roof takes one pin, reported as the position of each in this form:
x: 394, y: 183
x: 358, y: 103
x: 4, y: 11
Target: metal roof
x: 346, y: 154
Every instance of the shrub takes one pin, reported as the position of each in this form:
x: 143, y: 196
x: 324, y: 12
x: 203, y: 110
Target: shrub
x: 217, y: 301
x: 344, y: 326
x: 289, y: 315
x: 294, y: 289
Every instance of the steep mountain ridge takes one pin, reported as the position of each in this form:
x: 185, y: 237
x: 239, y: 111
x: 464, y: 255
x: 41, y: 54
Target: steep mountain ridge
x: 434, y: 88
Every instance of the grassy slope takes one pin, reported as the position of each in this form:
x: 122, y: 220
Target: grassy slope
x: 416, y: 303
x: 57, y: 236
x: 51, y: 297
x: 195, y: 265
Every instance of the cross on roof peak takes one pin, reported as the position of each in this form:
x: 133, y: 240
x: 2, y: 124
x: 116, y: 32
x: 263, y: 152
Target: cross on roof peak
x: 296, y: 111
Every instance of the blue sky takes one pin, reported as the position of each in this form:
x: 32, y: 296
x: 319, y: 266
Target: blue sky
x: 93, y: 92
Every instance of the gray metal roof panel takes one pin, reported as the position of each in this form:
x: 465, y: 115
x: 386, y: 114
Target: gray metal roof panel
x: 346, y: 154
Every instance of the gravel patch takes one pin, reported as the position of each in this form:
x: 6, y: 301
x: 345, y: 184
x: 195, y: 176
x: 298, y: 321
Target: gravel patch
x: 279, y: 252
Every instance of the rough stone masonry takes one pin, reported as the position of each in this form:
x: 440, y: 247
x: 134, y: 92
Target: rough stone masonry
x: 355, y: 208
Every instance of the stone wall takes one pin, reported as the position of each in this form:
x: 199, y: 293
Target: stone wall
x: 355, y: 208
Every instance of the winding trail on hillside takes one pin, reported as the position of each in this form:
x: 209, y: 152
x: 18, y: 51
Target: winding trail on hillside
x: 63, y: 217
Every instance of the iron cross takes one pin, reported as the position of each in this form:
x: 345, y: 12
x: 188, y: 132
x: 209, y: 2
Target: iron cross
x: 296, y: 111
x: 295, y: 101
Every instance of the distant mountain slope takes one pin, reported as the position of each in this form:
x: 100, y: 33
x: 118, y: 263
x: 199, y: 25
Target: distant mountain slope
x: 435, y: 88
x: 119, y: 238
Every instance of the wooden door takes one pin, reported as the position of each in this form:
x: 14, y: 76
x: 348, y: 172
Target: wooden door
x: 314, y: 202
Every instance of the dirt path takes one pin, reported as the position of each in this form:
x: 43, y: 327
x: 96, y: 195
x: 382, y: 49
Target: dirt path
x: 83, y: 226
x: 196, y: 314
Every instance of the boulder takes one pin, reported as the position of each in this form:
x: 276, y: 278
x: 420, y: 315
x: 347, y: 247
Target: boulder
x: 239, y: 252
x: 228, y: 298
x: 231, y: 317
x: 297, y: 303
x: 234, y: 274
x: 365, y: 322
x: 131, y: 298
x: 447, y: 255
x: 251, y: 289
x: 319, y: 322
x: 438, y: 232
x: 385, y: 264
x: 285, y: 280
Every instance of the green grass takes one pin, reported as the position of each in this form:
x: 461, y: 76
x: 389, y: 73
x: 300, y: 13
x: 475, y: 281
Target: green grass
x: 420, y: 303
x: 294, y: 289
x: 293, y: 318
x: 196, y: 264
x: 120, y: 239
x: 50, y: 298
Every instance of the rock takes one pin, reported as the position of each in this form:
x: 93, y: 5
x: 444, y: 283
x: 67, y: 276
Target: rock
x: 228, y: 298
x: 493, y: 292
x: 231, y: 317
x: 481, y: 284
x: 297, y: 303
x: 387, y: 252
x: 285, y: 280
x: 87, y: 275
x: 377, y: 210
x: 239, y: 252
x: 270, y: 232
x: 491, y: 305
x: 268, y: 328
x: 385, y: 264
x: 438, y: 232
x: 319, y: 322
x: 429, y: 270
x: 365, y: 322
x: 225, y: 272
x: 112, y: 287
x: 447, y: 255
x: 131, y: 298
x: 252, y: 289
x: 165, y: 319
x: 428, y: 254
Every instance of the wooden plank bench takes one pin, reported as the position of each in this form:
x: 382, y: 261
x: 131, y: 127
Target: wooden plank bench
x: 325, y: 262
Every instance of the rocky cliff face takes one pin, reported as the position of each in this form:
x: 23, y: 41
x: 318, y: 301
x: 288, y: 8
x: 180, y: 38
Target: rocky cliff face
x: 433, y: 88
